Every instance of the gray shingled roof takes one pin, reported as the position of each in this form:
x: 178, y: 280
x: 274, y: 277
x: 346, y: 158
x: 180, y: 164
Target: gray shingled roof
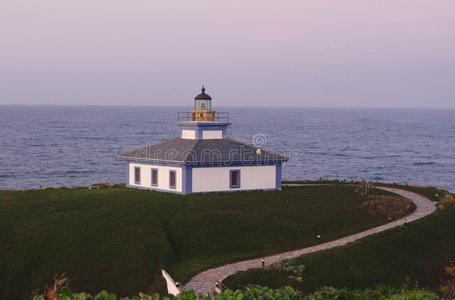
x: 205, y: 152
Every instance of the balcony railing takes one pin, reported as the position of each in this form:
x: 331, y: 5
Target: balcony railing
x: 203, y: 117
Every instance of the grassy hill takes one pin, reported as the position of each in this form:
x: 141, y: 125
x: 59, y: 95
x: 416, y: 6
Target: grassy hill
x: 118, y: 239
x: 421, y: 253
x: 113, y: 238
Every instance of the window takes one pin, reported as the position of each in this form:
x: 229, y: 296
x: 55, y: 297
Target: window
x: 172, y: 180
x: 202, y: 104
x: 154, y: 177
x: 234, y: 180
x: 137, y: 175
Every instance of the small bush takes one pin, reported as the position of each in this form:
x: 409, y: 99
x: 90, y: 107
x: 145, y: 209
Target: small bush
x: 447, y: 201
x: 448, y: 289
x: 285, y: 293
x: 450, y: 270
x: 288, y: 267
x: 264, y: 293
x: 381, y: 293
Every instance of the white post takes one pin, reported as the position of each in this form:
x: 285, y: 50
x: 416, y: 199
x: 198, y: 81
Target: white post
x: 172, y: 288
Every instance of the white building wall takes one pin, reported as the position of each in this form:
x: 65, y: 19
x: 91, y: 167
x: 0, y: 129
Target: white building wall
x: 217, y: 178
x: 163, y: 177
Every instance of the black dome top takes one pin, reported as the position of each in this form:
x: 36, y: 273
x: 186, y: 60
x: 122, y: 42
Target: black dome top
x: 203, y: 95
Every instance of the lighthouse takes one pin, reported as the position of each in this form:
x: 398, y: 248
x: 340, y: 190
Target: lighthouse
x: 203, y: 158
x: 202, y: 122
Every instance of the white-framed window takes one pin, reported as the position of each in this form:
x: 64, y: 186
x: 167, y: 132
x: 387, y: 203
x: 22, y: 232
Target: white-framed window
x: 234, y: 179
x: 154, y: 177
x: 137, y: 175
x: 172, y: 179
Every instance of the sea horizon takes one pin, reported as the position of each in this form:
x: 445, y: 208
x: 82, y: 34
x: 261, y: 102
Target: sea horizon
x: 69, y: 146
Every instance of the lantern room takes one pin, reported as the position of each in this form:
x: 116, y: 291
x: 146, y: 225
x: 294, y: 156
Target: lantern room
x: 203, y: 101
x: 202, y: 111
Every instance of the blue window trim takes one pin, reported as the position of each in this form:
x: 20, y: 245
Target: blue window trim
x: 237, y: 186
x: 151, y: 176
x: 128, y: 174
x: 278, y: 176
x: 173, y: 187
x: 136, y: 179
x: 187, y: 180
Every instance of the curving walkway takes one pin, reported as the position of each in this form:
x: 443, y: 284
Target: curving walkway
x: 204, y: 282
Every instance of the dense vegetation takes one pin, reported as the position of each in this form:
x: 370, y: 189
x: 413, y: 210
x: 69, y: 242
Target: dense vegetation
x: 421, y: 253
x: 256, y: 293
x: 117, y: 239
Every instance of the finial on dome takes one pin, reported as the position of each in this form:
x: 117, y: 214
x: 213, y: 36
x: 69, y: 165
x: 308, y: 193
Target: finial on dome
x: 203, y: 95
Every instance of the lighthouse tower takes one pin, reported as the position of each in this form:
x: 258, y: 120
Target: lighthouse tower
x: 202, y: 122
x: 203, y: 159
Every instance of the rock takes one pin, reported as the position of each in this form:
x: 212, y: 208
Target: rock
x: 296, y: 278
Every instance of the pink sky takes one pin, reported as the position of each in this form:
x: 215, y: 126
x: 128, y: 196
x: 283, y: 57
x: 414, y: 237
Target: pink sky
x: 387, y: 53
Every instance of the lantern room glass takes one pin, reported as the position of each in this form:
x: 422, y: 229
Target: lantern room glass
x: 203, y: 104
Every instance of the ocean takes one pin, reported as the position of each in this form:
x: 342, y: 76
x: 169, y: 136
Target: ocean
x: 69, y: 146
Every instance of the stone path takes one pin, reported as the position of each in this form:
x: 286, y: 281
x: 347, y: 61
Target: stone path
x: 204, y: 282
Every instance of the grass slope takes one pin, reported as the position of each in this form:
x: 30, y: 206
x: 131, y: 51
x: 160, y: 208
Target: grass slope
x: 220, y: 228
x: 105, y: 239
x: 117, y: 239
x: 414, y: 254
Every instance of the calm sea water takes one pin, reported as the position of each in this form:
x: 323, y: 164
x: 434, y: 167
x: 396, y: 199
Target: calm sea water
x: 51, y: 146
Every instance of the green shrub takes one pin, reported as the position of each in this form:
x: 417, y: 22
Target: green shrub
x: 448, y: 289
x: 285, y: 293
x: 288, y: 267
x: 264, y: 293
x: 447, y: 201
x: 380, y: 293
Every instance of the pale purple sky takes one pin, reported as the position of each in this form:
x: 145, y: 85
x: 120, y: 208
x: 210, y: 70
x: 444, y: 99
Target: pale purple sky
x: 381, y: 53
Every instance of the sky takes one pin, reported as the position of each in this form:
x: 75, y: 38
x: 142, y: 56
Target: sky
x: 318, y: 53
